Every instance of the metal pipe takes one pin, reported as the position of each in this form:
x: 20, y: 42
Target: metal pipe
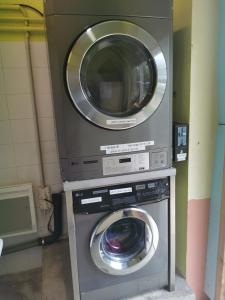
x: 14, y: 7
x: 172, y: 236
x: 10, y: 7
x: 34, y: 102
x: 22, y: 29
x: 39, y: 20
x: 20, y: 247
x: 25, y: 18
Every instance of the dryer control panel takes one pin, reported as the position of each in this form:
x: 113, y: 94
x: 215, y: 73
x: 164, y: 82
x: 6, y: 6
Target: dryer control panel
x: 129, y: 163
x: 118, y: 196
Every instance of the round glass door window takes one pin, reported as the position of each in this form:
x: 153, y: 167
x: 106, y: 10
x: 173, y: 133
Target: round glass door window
x: 116, y: 75
x: 124, y: 241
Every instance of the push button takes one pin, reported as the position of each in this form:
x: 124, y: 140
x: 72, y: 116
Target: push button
x: 158, y: 160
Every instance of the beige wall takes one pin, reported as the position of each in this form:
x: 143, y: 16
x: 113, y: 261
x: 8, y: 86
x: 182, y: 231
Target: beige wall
x: 203, y: 97
x: 195, y: 102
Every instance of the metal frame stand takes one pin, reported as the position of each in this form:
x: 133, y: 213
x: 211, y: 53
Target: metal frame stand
x: 69, y: 187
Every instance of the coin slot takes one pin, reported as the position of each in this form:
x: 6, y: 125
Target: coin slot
x: 124, y: 160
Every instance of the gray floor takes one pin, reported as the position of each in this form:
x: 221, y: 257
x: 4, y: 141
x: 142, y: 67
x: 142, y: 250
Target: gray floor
x: 182, y: 292
x: 22, y: 286
x: 53, y: 281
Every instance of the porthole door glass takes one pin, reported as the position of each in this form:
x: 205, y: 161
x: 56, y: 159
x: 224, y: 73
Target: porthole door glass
x: 124, y: 239
x: 118, y: 76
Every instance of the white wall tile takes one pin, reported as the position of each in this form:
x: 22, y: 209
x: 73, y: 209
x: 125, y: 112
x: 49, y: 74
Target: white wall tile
x: 29, y: 174
x: 52, y: 174
x: 23, y: 131
x: 8, y: 176
x: 5, y: 133
x: 42, y: 81
x: 19, y: 161
x: 26, y: 154
x: 47, y: 129
x: 17, y: 81
x: 14, y: 54
x: 7, y: 159
x: 20, y: 106
x: 49, y: 152
x: 39, y: 54
x: 3, y: 108
x: 44, y: 105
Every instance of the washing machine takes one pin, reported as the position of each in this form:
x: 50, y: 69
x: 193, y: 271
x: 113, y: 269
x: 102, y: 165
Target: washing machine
x: 111, y: 70
x: 121, y: 234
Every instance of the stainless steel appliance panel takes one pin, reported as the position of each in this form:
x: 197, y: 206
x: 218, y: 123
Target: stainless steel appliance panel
x: 79, y: 138
x: 159, y: 8
x: 155, y: 273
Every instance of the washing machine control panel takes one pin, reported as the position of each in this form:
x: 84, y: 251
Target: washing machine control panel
x: 119, y: 196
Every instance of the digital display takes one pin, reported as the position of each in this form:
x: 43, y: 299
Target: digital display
x: 124, y: 160
x: 124, y: 200
x: 100, y: 192
x: 182, y: 136
x: 140, y: 187
x: 151, y: 185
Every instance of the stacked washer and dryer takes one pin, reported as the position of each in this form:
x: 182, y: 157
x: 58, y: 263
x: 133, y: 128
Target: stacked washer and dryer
x: 111, y: 69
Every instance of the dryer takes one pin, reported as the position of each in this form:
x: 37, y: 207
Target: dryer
x: 111, y: 69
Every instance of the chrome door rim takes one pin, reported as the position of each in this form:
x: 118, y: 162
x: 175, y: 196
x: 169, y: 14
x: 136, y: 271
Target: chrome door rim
x: 109, y: 266
x: 74, y: 63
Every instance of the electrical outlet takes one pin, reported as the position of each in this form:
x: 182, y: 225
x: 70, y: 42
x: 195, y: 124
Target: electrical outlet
x: 44, y: 198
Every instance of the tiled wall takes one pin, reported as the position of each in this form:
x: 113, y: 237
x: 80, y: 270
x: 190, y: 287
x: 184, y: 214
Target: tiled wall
x: 19, y: 160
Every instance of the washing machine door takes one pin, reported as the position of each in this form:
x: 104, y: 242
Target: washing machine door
x: 124, y: 242
x: 116, y: 74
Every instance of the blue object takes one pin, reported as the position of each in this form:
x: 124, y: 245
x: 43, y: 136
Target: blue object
x: 214, y: 216
x: 217, y: 181
x: 221, y: 65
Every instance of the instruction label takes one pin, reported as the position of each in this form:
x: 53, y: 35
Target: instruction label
x: 120, y: 121
x: 120, y: 191
x: 91, y: 200
x: 121, y: 148
x: 181, y: 156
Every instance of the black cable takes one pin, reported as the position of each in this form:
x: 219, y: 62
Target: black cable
x: 50, y: 218
x: 57, y: 212
x: 49, y: 222
x: 20, y: 247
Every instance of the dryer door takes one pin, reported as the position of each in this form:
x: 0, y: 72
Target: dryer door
x: 116, y: 75
x: 124, y: 242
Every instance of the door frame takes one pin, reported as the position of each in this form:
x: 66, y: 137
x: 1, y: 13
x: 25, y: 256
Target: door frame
x: 220, y: 278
